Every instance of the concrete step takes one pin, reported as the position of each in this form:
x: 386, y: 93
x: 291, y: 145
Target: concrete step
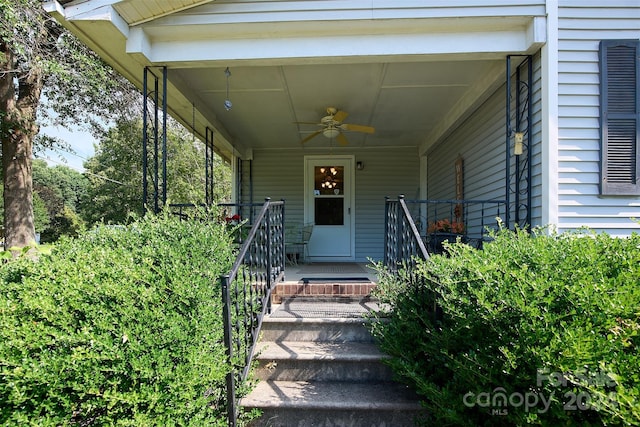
x: 321, y: 403
x: 321, y: 361
x: 315, y: 329
x: 318, y: 365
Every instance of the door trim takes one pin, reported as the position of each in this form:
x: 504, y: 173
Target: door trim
x: 308, y: 206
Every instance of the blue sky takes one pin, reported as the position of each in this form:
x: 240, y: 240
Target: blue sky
x: 81, y: 142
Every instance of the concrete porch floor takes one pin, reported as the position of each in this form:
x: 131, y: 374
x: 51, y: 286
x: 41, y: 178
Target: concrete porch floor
x: 330, y: 270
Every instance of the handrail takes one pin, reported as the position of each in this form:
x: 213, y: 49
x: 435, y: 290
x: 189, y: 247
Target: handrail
x: 402, y: 241
x: 246, y: 294
x: 475, y: 216
x: 410, y: 226
x: 244, y: 210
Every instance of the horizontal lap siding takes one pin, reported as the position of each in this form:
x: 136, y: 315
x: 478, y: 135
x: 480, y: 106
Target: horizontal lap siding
x: 279, y: 174
x: 387, y: 172
x: 536, y: 136
x: 480, y: 140
x: 582, y: 24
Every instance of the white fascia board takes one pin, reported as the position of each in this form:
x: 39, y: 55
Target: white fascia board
x: 54, y: 9
x: 321, y: 49
x: 138, y: 44
x: 73, y: 10
x: 102, y: 13
x: 536, y: 35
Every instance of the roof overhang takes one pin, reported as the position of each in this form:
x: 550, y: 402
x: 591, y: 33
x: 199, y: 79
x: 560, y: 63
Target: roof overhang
x: 196, y: 38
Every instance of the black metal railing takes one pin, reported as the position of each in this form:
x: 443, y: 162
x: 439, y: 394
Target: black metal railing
x: 186, y: 211
x: 402, y: 241
x: 244, y: 211
x: 416, y: 228
x: 246, y: 294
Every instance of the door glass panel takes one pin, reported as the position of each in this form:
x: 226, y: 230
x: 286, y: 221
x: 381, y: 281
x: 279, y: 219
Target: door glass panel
x: 329, y: 211
x: 328, y: 180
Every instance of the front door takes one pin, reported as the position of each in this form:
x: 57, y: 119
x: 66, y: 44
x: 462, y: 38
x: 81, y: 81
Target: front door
x: 329, y: 192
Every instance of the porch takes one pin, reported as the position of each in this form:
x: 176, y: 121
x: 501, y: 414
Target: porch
x: 327, y: 279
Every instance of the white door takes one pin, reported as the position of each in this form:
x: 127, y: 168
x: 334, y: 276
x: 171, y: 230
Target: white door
x: 329, y: 195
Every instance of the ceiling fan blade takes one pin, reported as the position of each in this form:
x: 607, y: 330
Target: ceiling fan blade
x: 313, y: 135
x: 342, y: 140
x: 357, y: 128
x: 340, y: 116
x: 308, y: 123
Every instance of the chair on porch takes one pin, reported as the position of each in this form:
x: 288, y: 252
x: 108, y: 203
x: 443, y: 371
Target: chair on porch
x: 296, y: 241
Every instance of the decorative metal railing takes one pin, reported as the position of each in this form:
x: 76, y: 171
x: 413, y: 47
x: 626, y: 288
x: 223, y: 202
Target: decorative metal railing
x: 417, y: 228
x: 402, y: 242
x: 245, y: 212
x: 246, y: 293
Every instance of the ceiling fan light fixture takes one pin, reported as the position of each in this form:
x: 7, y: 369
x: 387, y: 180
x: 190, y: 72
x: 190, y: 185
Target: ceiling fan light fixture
x: 332, y: 127
x: 330, y: 132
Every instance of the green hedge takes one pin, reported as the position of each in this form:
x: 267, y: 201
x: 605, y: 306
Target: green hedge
x: 121, y: 326
x: 530, y: 330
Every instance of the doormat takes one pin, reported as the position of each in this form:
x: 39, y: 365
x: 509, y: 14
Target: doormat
x: 335, y: 280
x: 329, y: 268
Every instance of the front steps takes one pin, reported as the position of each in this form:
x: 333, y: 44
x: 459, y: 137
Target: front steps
x: 318, y: 366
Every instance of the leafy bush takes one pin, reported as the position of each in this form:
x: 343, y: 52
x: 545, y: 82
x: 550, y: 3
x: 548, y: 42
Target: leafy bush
x: 121, y: 326
x: 540, y: 329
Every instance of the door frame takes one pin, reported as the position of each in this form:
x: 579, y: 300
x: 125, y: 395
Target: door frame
x: 309, y: 206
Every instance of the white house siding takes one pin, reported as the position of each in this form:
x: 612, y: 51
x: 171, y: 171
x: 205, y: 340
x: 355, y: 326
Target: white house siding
x: 536, y: 136
x: 279, y: 174
x: 387, y: 172
x: 480, y: 141
x: 582, y: 24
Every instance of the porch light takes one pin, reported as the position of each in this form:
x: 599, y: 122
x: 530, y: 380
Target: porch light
x: 518, y: 139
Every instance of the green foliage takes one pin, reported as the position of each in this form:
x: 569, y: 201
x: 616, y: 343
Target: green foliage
x: 115, y: 173
x: 65, y: 223
x: 59, y: 186
x: 47, y: 77
x: 40, y: 215
x: 552, y: 319
x: 120, y: 326
x: 58, y: 190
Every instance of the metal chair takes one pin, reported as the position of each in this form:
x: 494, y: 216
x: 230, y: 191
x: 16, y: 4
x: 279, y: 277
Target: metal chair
x: 307, y: 231
x: 296, y: 241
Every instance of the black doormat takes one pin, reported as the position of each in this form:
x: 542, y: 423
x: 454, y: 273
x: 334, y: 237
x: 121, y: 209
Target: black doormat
x: 335, y: 280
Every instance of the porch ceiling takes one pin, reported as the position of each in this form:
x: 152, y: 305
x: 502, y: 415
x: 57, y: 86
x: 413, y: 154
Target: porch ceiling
x: 403, y: 101
x: 410, y: 79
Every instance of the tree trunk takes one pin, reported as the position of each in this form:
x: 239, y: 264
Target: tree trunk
x: 17, y: 131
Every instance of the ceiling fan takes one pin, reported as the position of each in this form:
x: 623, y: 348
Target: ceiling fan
x: 332, y: 126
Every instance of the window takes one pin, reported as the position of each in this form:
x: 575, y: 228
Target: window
x: 620, y: 117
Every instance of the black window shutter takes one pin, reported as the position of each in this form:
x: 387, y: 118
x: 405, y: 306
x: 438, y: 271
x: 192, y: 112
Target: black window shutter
x: 620, y: 117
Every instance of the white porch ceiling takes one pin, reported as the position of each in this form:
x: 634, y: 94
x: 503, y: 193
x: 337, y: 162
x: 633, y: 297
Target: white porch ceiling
x: 411, y: 78
x: 403, y: 101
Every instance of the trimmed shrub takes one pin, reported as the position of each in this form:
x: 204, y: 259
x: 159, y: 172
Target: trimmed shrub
x: 121, y: 326
x: 541, y: 329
